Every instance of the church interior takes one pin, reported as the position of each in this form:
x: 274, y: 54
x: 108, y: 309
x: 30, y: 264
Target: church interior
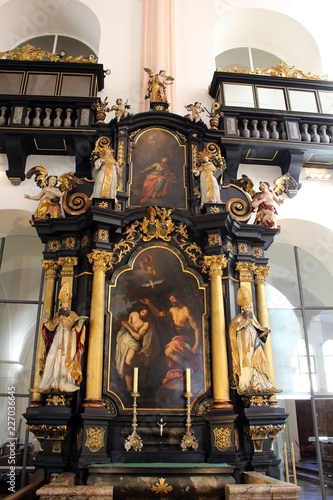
x: 166, y: 249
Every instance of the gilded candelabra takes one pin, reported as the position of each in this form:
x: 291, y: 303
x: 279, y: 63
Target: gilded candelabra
x: 133, y: 440
x: 188, y: 440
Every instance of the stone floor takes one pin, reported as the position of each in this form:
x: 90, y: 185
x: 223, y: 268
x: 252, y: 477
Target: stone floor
x: 312, y: 491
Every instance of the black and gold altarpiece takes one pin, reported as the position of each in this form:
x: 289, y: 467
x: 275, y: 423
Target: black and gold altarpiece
x: 144, y: 248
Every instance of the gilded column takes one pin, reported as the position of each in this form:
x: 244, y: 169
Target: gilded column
x: 51, y: 268
x: 221, y: 398
x: 101, y: 262
x: 260, y: 273
x: 67, y: 265
x: 245, y: 270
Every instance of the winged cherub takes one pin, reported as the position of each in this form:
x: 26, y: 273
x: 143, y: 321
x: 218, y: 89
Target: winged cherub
x: 265, y: 199
x: 52, y: 190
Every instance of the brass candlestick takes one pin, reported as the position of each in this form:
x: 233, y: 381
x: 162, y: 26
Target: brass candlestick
x: 189, y: 440
x: 133, y: 440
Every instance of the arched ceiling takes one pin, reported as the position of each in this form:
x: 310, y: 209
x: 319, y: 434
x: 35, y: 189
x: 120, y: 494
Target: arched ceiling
x: 263, y: 29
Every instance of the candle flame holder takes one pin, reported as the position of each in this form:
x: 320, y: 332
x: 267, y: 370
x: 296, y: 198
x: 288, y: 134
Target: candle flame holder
x: 133, y: 440
x: 189, y: 440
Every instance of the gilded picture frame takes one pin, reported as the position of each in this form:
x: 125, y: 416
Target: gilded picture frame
x: 157, y: 169
x: 158, y: 276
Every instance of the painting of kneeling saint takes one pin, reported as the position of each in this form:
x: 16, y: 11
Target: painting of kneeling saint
x: 157, y: 311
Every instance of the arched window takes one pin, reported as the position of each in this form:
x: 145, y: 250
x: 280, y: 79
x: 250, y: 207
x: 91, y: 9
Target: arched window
x: 62, y: 45
x: 246, y: 58
x: 328, y: 363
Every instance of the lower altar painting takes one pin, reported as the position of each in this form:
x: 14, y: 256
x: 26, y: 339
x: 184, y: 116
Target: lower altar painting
x: 157, y: 309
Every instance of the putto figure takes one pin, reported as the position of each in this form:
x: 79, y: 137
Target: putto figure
x: 157, y: 84
x: 195, y: 112
x: 52, y: 190
x: 121, y: 109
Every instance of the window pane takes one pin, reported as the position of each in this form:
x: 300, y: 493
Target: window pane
x: 262, y: 59
x: 287, y: 337
x: 326, y: 100
x: 232, y: 58
x: 303, y: 101
x: 284, y: 291
x: 21, y: 268
x: 10, y: 83
x: 270, y: 98
x: 316, y: 280
x: 238, y: 95
x: 320, y: 333
x: 41, y: 84
x: 17, y: 334
x: 73, y: 85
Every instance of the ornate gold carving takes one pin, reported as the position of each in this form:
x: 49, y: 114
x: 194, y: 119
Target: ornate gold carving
x: 245, y: 270
x: 103, y: 204
x: 281, y: 69
x: 54, y: 433
x: 238, y: 208
x: 243, y: 247
x: 260, y: 274
x: 121, y: 161
x: 259, y: 434
x: 54, y: 475
x: 161, y: 487
x: 257, y: 251
x: 157, y: 224
x: 79, y: 439
x: 38, y: 432
x: 51, y: 267
x: 102, y: 235
x: 191, y: 249
x: 75, y: 203
x: 259, y: 400
x: 215, y: 210
x: 69, y: 242
x: 213, y: 264
x: 55, y: 400
x: 214, y: 239
x: 30, y: 53
x: 94, y: 438
x: 132, y: 136
x: 67, y: 264
x: 53, y: 245
x: 85, y: 241
x: 222, y: 437
x: 101, y: 260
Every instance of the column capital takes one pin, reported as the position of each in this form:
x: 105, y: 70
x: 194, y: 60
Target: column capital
x: 51, y: 267
x: 67, y: 264
x: 245, y: 270
x: 260, y: 274
x: 213, y: 264
x: 101, y: 260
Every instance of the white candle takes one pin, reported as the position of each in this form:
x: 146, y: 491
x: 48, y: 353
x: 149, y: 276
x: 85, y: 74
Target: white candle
x: 188, y: 379
x: 135, y: 379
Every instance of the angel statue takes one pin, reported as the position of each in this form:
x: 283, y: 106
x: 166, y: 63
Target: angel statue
x: 265, y: 199
x: 52, y: 190
x: 156, y: 88
x: 194, y: 112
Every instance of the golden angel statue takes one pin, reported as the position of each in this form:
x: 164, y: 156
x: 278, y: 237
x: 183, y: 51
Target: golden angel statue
x: 156, y: 88
x: 265, y: 199
x: 52, y: 190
